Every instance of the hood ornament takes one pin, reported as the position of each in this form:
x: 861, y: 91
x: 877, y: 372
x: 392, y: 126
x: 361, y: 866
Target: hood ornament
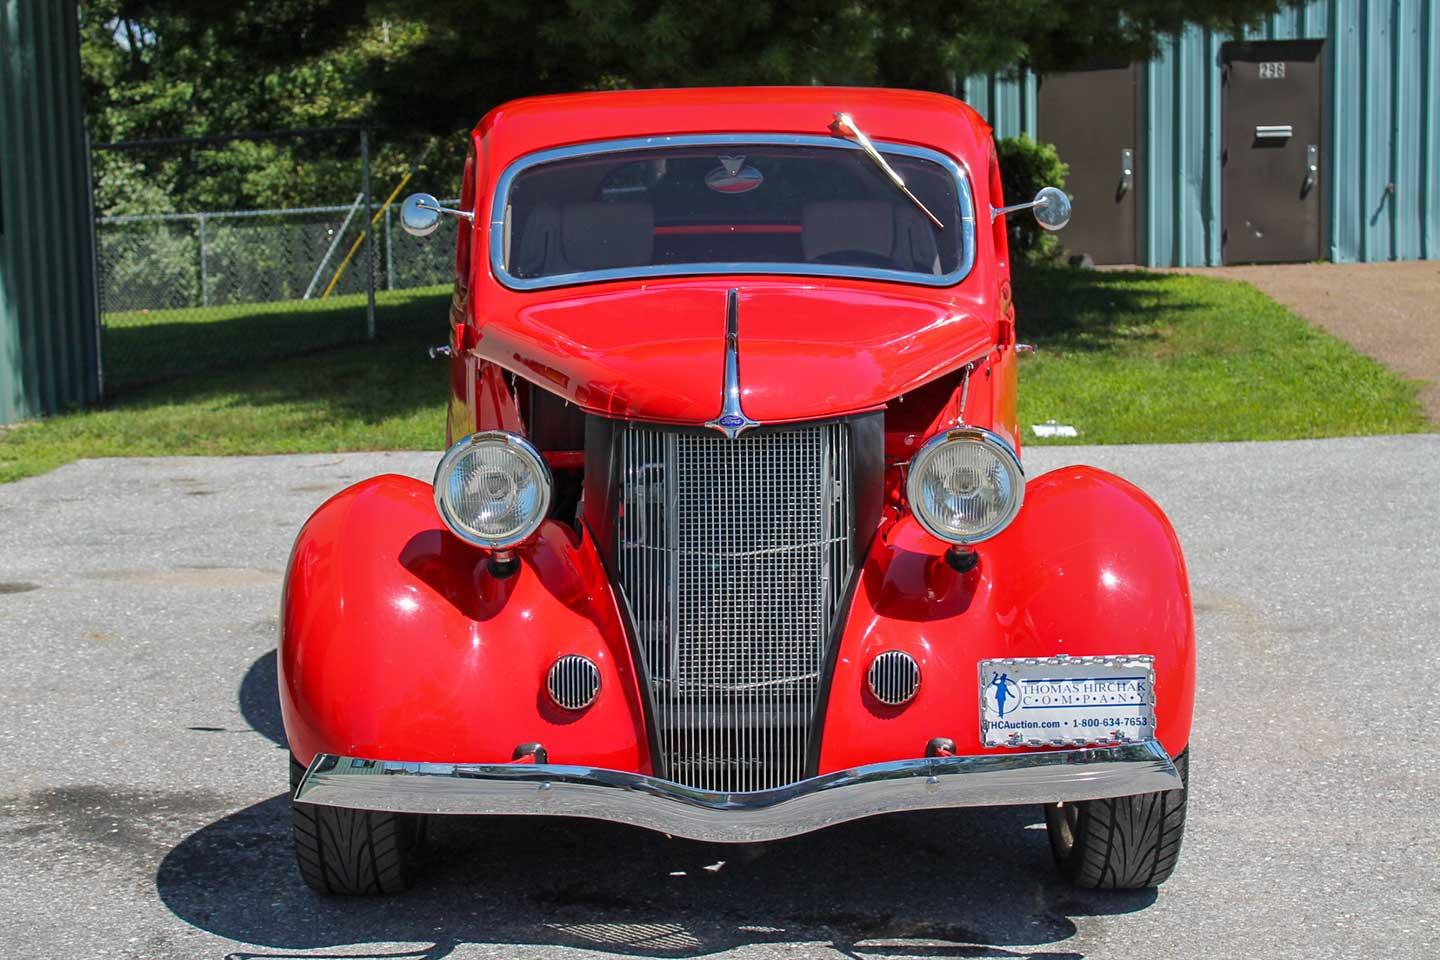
x: 732, y: 420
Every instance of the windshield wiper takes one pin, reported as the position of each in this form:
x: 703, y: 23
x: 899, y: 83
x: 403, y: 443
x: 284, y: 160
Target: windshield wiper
x: 844, y: 122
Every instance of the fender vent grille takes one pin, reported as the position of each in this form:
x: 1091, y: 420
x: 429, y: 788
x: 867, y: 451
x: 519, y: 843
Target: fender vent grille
x: 734, y: 556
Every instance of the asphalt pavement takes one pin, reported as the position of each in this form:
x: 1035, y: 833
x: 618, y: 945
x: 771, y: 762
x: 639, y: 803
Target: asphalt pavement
x: 142, y: 768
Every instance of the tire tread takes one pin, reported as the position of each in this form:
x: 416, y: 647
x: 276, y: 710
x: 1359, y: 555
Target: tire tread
x: 1126, y: 843
x: 353, y: 852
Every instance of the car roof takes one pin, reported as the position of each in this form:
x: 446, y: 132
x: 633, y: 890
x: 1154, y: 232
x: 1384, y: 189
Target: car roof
x: 933, y: 120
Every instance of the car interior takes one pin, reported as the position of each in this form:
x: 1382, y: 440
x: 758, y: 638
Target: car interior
x: 602, y: 235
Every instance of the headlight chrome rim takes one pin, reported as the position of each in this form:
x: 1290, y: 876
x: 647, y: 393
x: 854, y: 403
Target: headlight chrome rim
x: 522, y: 448
x: 993, y: 442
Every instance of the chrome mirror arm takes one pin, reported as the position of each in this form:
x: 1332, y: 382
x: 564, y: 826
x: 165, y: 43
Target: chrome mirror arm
x: 420, y: 214
x: 436, y: 207
x: 1051, y: 206
x: 1012, y: 208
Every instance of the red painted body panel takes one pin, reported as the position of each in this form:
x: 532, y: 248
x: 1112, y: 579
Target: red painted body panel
x: 1089, y: 567
x: 657, y: 352
x: 397, y: 642
x: 651, y: 349
x: 903, y: 116
x: 620, y: 349
x: 812, y: 351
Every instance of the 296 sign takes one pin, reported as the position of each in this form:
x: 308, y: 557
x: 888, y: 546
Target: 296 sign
x: 1272, y: 70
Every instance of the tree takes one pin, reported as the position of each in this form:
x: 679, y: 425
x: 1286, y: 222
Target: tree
x: 424, y: 72
x: 155, y: 69
x: 466, y: 55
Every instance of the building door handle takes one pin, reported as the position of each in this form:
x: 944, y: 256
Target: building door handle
x: 1312, y: 167
x: 1127, y: 172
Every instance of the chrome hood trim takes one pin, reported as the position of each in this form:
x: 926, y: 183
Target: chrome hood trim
x: 732, y: 420
x: 638, y: 800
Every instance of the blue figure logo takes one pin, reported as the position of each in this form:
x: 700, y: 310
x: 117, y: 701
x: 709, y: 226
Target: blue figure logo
x: 1004, y: 691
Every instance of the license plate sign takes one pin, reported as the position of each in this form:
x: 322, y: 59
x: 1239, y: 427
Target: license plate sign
x: 1067, y: 701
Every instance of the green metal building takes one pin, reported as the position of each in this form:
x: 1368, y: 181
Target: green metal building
x: 48, y: 332
x: 1316, y: 136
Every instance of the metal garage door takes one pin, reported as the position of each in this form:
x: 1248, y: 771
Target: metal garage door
x: 1093, y: 118
x: 1272, y: 145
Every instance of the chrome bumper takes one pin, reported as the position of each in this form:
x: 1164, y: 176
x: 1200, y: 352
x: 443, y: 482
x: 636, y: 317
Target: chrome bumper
x: 557, y: 790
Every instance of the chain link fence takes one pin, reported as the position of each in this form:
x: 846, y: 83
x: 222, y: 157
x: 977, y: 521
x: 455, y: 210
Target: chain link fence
x: 179, y: 292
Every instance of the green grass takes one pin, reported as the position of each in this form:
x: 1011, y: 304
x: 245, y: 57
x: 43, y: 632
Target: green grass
x: 363, y: 396
x: 149, y: 346
x: 1124, y: 357
x: 1137, y: 357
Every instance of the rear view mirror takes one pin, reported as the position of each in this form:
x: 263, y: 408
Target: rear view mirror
x: 420, y: 214
x: 1052, y: 208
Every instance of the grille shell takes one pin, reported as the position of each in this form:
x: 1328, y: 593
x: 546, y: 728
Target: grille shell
x: 733, y: 557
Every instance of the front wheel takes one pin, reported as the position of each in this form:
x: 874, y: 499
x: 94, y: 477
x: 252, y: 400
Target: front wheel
x: 1123, y: 843
x: 354, y: 853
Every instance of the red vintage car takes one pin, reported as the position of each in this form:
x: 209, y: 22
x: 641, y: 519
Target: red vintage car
x: 734, y: 541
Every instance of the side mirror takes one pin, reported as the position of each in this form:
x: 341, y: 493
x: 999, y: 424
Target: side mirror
x: 420, y: 214
x: 1051, y: 206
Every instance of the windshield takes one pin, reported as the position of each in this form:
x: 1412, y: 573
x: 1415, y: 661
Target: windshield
x: 689, y: 205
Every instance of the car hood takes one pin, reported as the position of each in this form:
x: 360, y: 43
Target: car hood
x: 805, y: 352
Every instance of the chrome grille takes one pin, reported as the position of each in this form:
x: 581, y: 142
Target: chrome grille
x: 734, y: 556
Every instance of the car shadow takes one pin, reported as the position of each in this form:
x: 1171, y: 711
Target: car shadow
x: 259, y: 699
x: 957, y: 883
x: 964, y: 883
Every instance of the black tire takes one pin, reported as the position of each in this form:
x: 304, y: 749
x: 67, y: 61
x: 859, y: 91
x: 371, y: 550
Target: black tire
x: 354, y: 853
x: 1124, y: 843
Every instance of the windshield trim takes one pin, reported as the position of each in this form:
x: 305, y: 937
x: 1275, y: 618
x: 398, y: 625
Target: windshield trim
x: 963, y: 195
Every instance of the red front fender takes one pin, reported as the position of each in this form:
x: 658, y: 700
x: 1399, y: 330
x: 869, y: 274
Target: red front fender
x: 1090, y: 566
x: 397, y: 643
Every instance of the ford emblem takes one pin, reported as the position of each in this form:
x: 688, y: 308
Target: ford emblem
x: 731, y: 420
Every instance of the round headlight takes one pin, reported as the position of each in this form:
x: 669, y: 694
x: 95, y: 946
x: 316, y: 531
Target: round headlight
x: 492, y: 489
x: 965, y: 485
